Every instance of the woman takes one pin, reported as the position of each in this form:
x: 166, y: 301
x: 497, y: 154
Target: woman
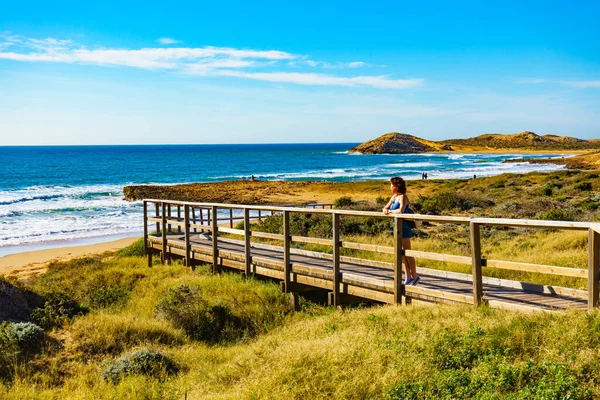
x: 398, y: 204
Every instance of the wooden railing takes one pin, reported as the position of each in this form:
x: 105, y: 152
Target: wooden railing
x: 183, y: 215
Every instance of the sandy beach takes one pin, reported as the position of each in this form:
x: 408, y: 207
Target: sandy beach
x: 34, y: 263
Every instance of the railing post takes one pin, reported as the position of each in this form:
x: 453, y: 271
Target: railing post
x: 398, y: 254
x: 287, y: 264
x: 247, y: 248
x: 147, y: 251
x: 163, y: 255
x: 593, y: 268
x: 194, y: 218
x: 260, y: 215
x: 169, y: 226
x: 337, y: 276
x: 476, y: 263
x: 179, y: 218
x: 215, y: 245
x: 156, y: 215
x: 231, y: 217
x: 186, y: 218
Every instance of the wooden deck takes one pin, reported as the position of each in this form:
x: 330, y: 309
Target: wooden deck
x: 369, y: 282
x: 181, y: 234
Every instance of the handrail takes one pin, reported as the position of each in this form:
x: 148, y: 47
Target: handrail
x: 164, y: 221
x: 524, y: 223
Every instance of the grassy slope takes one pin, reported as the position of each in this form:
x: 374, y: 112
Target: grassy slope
x: 316, y: 353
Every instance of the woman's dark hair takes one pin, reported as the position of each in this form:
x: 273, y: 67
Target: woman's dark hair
x: 399, y: 184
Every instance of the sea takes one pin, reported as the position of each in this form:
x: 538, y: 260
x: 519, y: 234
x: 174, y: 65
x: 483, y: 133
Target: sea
x: 52, y: 196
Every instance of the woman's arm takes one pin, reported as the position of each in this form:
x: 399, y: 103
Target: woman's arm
x: 386, y: 209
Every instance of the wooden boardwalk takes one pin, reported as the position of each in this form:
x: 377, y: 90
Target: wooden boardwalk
x: 349, y: 279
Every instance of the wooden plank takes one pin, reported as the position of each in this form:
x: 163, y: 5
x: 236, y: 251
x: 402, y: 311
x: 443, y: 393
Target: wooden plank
x: 593, y: 268
x: 476, y: 259
x: 247, y: 244
x: 267, y: 235
x: 304, y: 239
x: 368, y: 247
x: 543, y: 269
x: 335, y: 224
x: 456, y: 297
x: 398, y: 255
x: 439, y: 257
x: 188, y: 258
x: 287, y: 264
x: 232, y: 231
x: 215, y: 244
x: 203, y: 228
x: 532, y: 223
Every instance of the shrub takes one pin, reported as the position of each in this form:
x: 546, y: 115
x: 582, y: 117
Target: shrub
x: 184, y: 307
x: 344, y: 201
x: 438, y: 203
x: 381, y: 201
x: 103, y: 296
x: 57, y: 309
x: 583, y: 186
x: 142, y: 362
x: 136, y: 249
x: 102, y: 334
x: 26, y: 336
x: 559, y: 214
x: 498, y: 184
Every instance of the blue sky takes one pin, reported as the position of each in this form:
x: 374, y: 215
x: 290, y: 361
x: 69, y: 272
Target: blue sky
x: 311, y: 71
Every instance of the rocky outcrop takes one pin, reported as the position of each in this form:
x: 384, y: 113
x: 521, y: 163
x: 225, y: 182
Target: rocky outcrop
x: 393, y: 143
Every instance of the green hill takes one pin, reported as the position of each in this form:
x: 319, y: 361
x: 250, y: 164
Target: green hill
x: 402, y: 143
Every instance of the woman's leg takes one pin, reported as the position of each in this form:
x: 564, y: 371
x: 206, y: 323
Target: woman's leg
x: 411, y: 270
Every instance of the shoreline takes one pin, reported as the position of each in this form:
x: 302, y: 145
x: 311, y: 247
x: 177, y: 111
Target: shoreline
x: 29, y: 264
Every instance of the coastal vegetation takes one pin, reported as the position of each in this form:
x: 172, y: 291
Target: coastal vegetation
x: 139, y: 347
x: 107, y: 326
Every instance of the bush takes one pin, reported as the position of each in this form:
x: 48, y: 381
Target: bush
x: 136, y: 249
x: 26, y: 336
x: 583, y: 186
x: 381, y: 201
x: 559, y: 214
x: 142, y: 362
x: 498, y: 184
x: 57, y: 309
x: 344, y: 201
x: 438, y: 203
x: 102, y: 334
x: 184, y: 307
x: 103, y: 296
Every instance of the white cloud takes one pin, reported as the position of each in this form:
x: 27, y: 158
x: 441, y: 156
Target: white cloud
x: 263, y: 65
x: 357, y: 64
x: 584, y: 84
x: 381, y: 82
x: 167, y: 40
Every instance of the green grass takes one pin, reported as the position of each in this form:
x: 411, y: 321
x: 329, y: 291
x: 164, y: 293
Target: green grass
x: 392, y: 352
x: 104, y: 307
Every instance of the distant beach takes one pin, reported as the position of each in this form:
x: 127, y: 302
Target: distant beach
x: 51, y: 196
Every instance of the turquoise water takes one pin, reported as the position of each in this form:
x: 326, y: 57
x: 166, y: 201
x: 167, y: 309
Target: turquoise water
x: 66, y: 193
